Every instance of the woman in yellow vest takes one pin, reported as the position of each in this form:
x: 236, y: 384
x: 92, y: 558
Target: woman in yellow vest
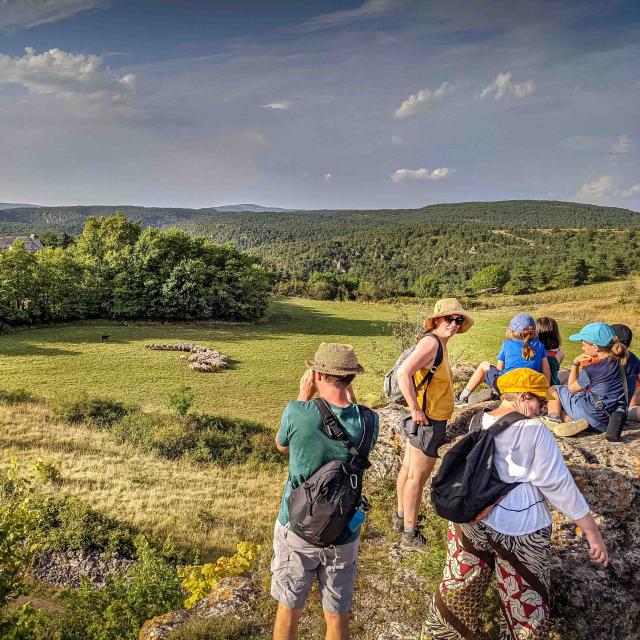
x: 430, y: 408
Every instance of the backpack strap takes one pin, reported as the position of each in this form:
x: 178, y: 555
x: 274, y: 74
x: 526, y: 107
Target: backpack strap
x: 625, y: 385
x: 475, y: 424
x: 434, y: 367
x: 336, y: 431
x: 505, y: 422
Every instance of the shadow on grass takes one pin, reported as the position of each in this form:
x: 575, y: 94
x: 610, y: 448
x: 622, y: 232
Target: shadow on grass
x: 282, y: 320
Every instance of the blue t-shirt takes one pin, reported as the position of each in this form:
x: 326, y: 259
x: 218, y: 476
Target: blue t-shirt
x: 301, y: 430
x: 511, y: 355
x: 633, y: 371
x: 603, y: 379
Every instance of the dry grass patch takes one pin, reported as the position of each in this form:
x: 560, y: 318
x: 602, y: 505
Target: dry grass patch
x: 201, y: 507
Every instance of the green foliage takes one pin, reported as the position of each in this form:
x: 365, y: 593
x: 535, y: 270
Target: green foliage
x: 18, y: 396
x: 572, y: 272
x: 520, y: 280
x: 181, y: 400
x: 54, y: 522
x: 494, y: 276
x: 226, y: 628
x: 200, y: 438
x: 99, y: 412
x: 47, y: 472
x: 117, y: 270
x: 117, y: 611
x: 427, y: 286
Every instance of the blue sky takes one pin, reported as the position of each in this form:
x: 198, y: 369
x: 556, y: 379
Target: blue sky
x: 319, y: 103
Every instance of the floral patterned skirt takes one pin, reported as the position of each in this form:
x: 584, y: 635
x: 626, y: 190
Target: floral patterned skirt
x: 521, y: 566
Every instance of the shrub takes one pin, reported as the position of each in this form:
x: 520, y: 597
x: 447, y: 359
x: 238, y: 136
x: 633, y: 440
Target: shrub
x: 47, y: 472
x: 98, y: 412
x: 199, y: 580
x: 117, y: 611
x: 226, y: 628
x: 17, y: 396
x: 181, y: 400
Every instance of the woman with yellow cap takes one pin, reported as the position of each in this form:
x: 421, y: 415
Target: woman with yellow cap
x: 429, y: 397
x: 513, y: 539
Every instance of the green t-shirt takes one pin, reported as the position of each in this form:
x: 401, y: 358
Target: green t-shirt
x: 310, y: 447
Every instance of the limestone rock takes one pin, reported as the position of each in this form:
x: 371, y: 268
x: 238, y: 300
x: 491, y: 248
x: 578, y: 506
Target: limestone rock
x: 231, y: 597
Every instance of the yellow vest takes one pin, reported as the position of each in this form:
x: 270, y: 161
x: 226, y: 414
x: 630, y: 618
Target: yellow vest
x: 436, y: 399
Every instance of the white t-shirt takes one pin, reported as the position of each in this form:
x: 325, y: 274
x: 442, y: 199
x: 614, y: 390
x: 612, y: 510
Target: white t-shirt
x: 527, y: 452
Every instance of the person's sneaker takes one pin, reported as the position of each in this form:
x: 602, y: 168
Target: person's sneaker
x: 397, y: 522
x: 460, y: 401
x: 414, y: 541
x: 567, y: 429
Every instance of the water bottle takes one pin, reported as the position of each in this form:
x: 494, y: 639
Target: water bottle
x: 357, y: 519
x: 617, y: 420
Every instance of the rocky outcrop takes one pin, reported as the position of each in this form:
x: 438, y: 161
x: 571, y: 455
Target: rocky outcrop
x: 588, y: 601
x: 231, y: 597
x: 67, y: 568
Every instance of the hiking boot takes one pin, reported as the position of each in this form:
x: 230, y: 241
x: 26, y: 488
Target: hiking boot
x: 550, y: 423
x: 397, y: 523
x: 413, y: 541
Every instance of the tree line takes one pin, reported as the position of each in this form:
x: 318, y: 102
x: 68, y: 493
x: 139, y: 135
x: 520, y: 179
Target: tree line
x: 115, y: 269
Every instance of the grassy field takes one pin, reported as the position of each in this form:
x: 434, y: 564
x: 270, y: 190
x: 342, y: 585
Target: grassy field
x: 205, y: 506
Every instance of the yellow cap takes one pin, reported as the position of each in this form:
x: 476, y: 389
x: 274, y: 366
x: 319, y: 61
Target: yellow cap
x: 524, y: 381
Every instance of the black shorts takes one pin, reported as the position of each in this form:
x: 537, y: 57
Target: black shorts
x: 427, y: 438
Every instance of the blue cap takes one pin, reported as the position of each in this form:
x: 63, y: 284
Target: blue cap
x: 521, y: 322
x: 599, y: 333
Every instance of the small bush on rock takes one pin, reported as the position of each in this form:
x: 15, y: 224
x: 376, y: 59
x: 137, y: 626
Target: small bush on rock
x: 216, y: 629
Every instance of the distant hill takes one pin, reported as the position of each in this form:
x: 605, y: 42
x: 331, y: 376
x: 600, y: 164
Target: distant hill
x: 16, y: 205
x: 253, y: 208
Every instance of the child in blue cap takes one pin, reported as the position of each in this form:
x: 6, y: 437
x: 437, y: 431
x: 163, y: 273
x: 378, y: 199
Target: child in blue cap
x: 520, y: 350
x: 595, y: 388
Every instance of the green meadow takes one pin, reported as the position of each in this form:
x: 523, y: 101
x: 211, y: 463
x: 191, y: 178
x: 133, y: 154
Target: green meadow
x: 203, y: 505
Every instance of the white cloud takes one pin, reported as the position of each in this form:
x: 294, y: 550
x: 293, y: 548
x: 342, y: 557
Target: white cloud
x: 605, y: 189
x: 502, y: 87
x: 422, y: 101
x: 281, y: 106
x: 370, y: 9
x: 622, y: 145
x: 421, y: 174
x: 396, y: 139
x: 69, y: 76
x: 22, y: 14
x: 631, y: 192
x: 328, y: 176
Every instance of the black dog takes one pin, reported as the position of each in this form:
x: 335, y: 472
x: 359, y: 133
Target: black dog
x: 105, y: 337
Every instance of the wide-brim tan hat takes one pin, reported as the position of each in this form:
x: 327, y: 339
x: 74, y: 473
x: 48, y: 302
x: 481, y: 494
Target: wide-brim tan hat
x: 335, y: 359
x: 448, y: 307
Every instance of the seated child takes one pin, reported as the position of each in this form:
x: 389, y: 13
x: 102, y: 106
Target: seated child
x: 595, y: 387
x: 549, y: 334
x: 625, y: 335
x: 521, y: 350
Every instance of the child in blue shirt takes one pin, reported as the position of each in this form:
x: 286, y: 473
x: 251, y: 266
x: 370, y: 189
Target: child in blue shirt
x: 520, y: 350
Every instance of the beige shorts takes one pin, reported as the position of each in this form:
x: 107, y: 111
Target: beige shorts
x: 296, y: 562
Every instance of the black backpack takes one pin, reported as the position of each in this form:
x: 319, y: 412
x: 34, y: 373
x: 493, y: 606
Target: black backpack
x: 321, y: 507
x: 467, y: 481
x: 391, y: 386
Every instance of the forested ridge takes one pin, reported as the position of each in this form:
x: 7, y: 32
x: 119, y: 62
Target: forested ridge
x: 518, y: 246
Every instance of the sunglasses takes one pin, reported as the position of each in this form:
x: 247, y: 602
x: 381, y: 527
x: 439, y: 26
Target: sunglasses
x: 459, y: 320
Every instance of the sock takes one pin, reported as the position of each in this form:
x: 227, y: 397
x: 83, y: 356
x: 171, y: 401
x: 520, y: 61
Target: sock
x: 464, y: 394
x: 410, y: 531
x: 400, y: 514
x: 555, y: 417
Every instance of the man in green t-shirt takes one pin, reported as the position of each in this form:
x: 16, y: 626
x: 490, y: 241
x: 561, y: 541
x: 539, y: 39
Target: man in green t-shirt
x: 302, y: 435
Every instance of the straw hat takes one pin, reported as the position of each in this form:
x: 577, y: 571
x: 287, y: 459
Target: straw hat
x: 524, y: 381
x: 448, y: 307
x: 335, y: 359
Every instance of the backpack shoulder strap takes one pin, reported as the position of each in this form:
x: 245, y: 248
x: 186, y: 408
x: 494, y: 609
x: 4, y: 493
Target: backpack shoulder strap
x: 625, y: 384
x: 368, y: 423
x: 475, y: 424
x: 436, y: 363
x: 505, y: 422
x: 336, y: 431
